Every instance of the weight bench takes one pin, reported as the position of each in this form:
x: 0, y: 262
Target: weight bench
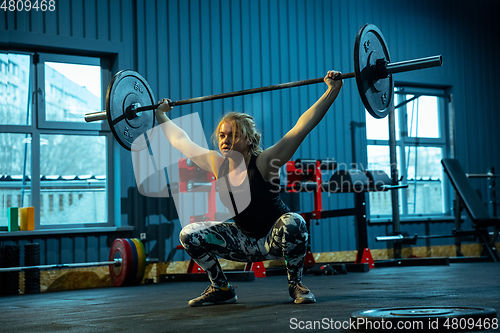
x: 468, y: 197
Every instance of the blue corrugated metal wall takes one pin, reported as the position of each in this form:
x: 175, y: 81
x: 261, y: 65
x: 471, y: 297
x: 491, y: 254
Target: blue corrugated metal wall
x: 208, y: 47
x: 191, y: 48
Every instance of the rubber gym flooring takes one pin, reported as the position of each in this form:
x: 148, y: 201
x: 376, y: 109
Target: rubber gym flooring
x: 262, y: 305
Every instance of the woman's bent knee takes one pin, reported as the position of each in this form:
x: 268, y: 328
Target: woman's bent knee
x: 294, y: 220
x: 201, y: 234
x: 186, y: 234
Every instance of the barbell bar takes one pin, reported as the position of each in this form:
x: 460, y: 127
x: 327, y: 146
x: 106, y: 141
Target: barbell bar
x: 116, y: 262
x: 483, y: 175
x: 129, y: 94
x: 127, y: 263
x: 389, y: 69
x: 101, y: 115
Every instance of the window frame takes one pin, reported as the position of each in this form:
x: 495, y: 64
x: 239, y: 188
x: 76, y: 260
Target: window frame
x: 43, y: 123
x: 40, y: 126
x: 404, y: 141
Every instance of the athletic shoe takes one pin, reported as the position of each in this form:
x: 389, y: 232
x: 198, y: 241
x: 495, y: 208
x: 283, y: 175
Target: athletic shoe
x: 215, y: 295
x: 300, y: 294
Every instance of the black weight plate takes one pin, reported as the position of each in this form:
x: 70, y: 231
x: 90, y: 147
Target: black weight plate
x: 376, y: 94
x: 424, y: 319
x: 125, y: 89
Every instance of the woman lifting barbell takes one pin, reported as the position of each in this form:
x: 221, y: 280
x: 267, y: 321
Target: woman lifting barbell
x: 266, y: 229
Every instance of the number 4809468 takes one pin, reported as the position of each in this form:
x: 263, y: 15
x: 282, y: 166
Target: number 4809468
x: 28, y: 5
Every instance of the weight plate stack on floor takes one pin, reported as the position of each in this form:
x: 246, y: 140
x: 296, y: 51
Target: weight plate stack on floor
x: 130, y: 262
x: 130, y: 280
x: 9, y: 281
x: 32, y: 276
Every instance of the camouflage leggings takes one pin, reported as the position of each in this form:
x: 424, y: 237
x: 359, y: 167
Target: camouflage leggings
x: 204, y: 241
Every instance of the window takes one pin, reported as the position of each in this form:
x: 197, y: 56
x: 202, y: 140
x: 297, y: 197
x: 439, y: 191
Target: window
x: 421, y: 143
x: 71, y: 90
x: 49, y: 157
x: 84, y: 180
x: 15, y: 89
x: 15, y: 172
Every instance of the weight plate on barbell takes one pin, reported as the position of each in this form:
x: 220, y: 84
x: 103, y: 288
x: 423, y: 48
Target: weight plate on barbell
x: 376, y: 94
x: 141, y: 254
x: 126, y: 89
x: 129, y: 281
x: 120, y: 249
x: 424, y: 319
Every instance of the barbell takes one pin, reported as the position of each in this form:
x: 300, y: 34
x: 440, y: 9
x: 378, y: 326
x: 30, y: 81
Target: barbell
x: 129, y: 94
x: 127, y: 263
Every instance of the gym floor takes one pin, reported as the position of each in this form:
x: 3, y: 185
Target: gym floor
x: 262, y: 305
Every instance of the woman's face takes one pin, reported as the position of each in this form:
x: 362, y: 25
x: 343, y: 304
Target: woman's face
x: 226, y: 144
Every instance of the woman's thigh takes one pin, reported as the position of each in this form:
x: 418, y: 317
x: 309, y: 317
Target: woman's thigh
x: 223, y: 239
x: 288, y: 235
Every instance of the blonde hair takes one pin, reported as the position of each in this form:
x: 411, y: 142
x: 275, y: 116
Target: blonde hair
x: 244, y: 124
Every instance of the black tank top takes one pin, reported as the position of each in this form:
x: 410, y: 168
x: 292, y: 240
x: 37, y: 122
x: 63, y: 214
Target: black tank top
x: 265, y: 205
